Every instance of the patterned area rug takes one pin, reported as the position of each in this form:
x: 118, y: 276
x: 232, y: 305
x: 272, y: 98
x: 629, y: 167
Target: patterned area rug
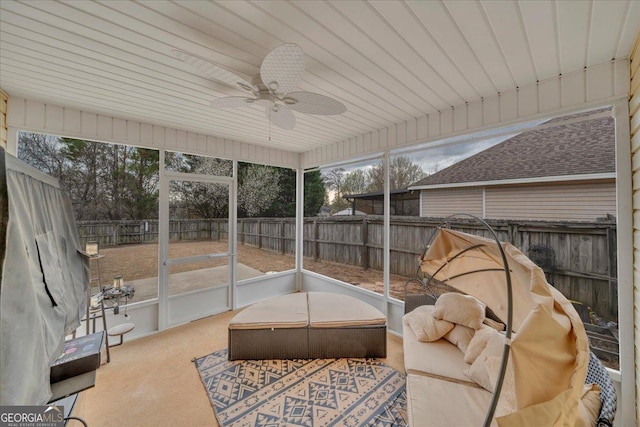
x: 310, y: 393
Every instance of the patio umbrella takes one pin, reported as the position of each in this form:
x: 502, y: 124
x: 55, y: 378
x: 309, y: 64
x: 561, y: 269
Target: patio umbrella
x: 550, y: 348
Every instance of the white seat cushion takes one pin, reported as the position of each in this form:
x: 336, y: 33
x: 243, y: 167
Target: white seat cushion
x: 327, y: 310
x: 438, y: 358
x: 281, y: 312
x: 439, y: 403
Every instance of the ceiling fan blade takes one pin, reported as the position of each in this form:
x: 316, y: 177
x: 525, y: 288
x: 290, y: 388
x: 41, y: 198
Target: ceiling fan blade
x: 282, y: 69
x: 313, y: 103
x: 213, y: 70
x: 281, y: 116
x: 231, y: 102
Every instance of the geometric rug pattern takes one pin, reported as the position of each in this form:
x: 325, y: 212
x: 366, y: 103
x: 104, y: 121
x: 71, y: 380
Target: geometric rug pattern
x: 303, y: 392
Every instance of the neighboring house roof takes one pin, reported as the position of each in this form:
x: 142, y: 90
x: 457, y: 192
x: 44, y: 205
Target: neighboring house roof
x: 401, y: 193
x: 578, y: 148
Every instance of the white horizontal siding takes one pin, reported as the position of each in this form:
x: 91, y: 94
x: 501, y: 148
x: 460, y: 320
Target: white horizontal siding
x: 3, y: 119
x: 34, y: 116
x: 577, y: 202
x: 440, y: 203
x: 634, y: 110
x: 593, y: 86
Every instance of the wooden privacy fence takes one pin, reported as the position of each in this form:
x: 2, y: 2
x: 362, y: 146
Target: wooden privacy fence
x: 578, y: 257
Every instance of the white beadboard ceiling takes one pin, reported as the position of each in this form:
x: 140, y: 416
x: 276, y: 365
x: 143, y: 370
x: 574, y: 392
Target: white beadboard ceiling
x: 387, y: 61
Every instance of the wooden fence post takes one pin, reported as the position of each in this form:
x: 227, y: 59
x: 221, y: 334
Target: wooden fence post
x: 316, y: 252
x: 282, y: 241
x: 612, y: 250
x: 259, y: 227
x: 242, y: 232
x: 365, y: 249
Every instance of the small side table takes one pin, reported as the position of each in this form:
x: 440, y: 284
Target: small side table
x: 119, y: 331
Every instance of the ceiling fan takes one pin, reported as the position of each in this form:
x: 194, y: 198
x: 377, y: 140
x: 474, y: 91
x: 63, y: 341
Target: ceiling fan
x: 274, y: 88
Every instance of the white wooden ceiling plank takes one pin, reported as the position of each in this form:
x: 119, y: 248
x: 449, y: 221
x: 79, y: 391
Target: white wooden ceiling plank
x: 478, y: 34
x: 328, y: 49
x: 128, y: 21
x: 101, y: 51
x: 630, y: 30
x: 380, y: 21
x: 446, y: 32
x: 504, y: 19
x: 163, y: 88
x: 608, y: 18
x: 125, y: 91
x: 318, y: 77
x: 539, y: 24
x: 449, y: 86
x: 352, y: 43
x: 573, y: 33
x: 98, y: 76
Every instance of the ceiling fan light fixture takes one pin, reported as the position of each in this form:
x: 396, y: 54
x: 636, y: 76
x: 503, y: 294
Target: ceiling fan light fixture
x: 274, y: 88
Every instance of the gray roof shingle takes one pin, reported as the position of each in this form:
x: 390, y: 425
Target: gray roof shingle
x: 585, y: 147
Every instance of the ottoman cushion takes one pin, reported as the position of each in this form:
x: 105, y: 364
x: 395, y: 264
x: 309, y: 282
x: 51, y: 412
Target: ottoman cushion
x: 328, y: 310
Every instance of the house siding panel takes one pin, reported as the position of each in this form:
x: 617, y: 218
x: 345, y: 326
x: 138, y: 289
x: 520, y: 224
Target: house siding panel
x: 577, y: 202
x: 634, y: 101
x: 445, y: 202
x: 3, y: 119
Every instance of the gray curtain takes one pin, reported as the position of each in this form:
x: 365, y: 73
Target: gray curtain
x: 44, y: 280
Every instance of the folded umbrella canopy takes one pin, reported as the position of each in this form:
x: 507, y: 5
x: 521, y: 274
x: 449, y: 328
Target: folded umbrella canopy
x: 550, y: 351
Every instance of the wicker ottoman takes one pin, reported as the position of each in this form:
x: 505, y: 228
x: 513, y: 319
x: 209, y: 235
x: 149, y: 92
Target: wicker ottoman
x: 308, y: 325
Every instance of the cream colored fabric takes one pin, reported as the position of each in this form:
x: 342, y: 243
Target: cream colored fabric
x: 281, y: 312
x: 478, y: 343
x: 461, y: 309
x: 551, y: 341
x: 479, y: 369
x: 428, y: 358
x: 426, y: 327
x: 433, y: 402
x: 589, y: 406
x: 460, y: 336
x: 508, y: 401
x: 328, y: 310
x: 492, y: 323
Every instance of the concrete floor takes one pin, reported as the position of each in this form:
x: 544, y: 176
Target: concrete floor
x: 189, y: 281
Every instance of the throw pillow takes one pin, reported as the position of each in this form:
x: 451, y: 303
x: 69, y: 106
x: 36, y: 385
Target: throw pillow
x: 589, y: 406
x: 425, y: 326
x: 479, y: 370
x: 461, y: 309
x: 460, y: 336
x: 478, y: 343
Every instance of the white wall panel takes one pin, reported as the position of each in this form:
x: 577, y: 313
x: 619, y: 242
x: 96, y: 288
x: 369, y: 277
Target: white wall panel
x: 105, y: 127
x: 423, y: 128
x: 508, y: 106
x: 88, y: 124
x: 528, y: 101
x: 412, y: 131
x: 53, y: 118
x: 570, y: 92
x: 549, y: 97
x: 572, y: 88
x: 35, y: 116
x: 635, y: 171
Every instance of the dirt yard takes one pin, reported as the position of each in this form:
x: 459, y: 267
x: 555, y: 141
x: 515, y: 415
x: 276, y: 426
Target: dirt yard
x: 141, y: 262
